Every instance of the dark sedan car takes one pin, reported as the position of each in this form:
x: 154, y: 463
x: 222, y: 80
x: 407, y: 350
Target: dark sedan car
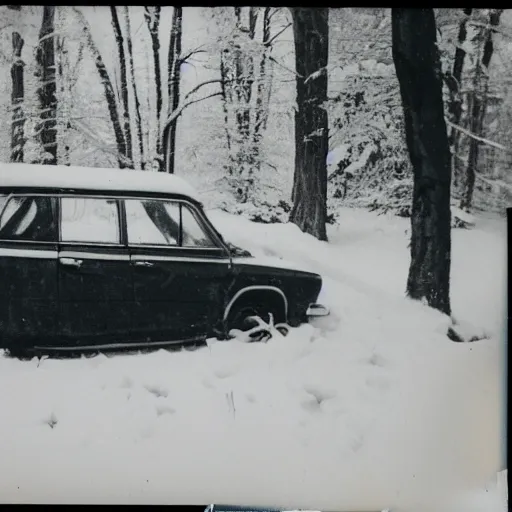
x: 92, y: 259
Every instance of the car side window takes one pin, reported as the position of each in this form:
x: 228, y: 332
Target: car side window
x: 152, y: 222
x: 193, y: 233
x: 28, y: 218
x: 157, y: 222
x: 89, y: 220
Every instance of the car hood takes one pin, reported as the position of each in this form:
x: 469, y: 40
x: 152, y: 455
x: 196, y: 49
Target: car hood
x: 272, y: 262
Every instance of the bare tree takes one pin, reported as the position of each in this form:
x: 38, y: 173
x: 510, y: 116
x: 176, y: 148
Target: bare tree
x: 174, y: 62
x: 62, y: 59
x: 152, y: 18
x: 127, y: 131
x: 138, y: 119
x: 17, y: 98
x: 245, y: 86
x: 479, y: 105
x: 45, y: 58
x: 109, y: 92
x: 416, y: 59
x: 311, y: 31
x: 453, y: 80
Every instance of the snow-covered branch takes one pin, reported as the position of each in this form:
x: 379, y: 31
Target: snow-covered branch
x: 476, y: 137
x: 316, y: 74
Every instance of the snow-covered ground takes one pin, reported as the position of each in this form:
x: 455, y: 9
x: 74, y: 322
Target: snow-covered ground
x: 373, y: 407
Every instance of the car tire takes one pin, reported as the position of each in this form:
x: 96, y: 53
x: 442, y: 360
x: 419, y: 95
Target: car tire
x: 241, y: 320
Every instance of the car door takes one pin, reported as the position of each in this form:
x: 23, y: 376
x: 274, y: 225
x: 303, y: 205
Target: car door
x: 94, y: 272
x: 179, y: 272
x: 28, y: 269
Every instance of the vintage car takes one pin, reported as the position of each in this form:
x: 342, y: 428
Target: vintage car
x: 98, y: 259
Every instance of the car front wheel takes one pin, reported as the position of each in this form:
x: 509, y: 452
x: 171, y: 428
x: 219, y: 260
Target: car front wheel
x: 250, y: 324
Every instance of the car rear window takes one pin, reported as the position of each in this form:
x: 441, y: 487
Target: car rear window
x: 28, y: 218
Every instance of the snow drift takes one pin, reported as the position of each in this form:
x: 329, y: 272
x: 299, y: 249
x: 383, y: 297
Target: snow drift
x: 369, y: 408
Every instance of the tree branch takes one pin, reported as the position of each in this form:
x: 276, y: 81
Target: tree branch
x: 285, y: 67
x: 476, y: 137
x: 174, y: 115
x: 185, y: 57
x: 273, y: 38
x: 202, y: 84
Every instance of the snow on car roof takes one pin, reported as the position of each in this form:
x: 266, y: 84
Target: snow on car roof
x: 93, y: 178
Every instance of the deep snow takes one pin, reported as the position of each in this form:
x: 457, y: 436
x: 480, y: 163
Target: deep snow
x: 370, y: 408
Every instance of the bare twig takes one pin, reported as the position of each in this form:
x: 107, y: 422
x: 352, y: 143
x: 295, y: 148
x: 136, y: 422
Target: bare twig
x: 273, y: 38
x: 285, y: 67
x: 174, y: 115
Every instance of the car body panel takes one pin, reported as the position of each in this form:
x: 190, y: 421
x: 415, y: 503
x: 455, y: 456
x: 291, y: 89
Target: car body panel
x: 96, y: 298
x: 176, y: 294
x: 28, y: 291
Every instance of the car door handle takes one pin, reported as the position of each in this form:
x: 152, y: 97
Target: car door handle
x: 143, y: 263
x: 71, y: 262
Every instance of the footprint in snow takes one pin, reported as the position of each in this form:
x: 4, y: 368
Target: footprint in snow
x: 377, y: 360
x: 320, y: 395
x: 164, y: 409
x: 250, y: 398
x: 224, y: 373
x: 208, y: 384
x: 311, y: 405
x: 127, y: 383
x: 157, y: 391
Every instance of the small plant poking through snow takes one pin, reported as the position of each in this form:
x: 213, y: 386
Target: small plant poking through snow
x: 52, y: 420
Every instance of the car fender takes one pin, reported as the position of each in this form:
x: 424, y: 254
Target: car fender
x: 247, y: 289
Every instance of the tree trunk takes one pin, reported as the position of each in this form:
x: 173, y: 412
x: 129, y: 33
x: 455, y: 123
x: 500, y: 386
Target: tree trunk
x: 262, y: 98
x: 138, y: 119
x: 224, y: 101
x: 64, y: 125
x: 110, y: 95
x: 45, y: 58
x: 477, y: 113
x: 455, y: 102
x: 124, y: 84
x: 417, y: 67
x: 173, y: 85
x: 152, y: 17
x: 311, y: 32
x: 17, y: 98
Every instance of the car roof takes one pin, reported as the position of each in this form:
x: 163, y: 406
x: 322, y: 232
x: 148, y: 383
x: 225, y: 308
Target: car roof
x: 16, y: 175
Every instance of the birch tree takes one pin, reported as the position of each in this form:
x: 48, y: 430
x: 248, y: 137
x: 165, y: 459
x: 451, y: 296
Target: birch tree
x: 174, y: 62
x: 108, y: 90
x: 125, y: 104
x: 152, y: 19
x: 138, y: 119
